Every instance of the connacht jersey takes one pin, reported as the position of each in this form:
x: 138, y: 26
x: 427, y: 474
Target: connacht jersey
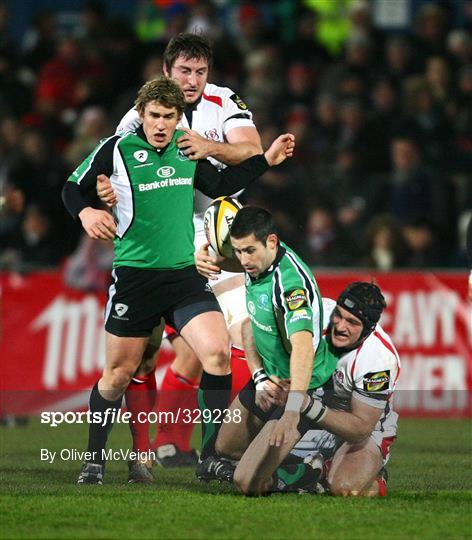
x: 155, y: 190
x: 218, y: 111
x: 283, y: 300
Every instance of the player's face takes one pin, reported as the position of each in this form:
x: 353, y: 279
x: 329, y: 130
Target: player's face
x: 159, y: 123
x: 346, y: 328
x: 191, y: 74
x: 254, y: 256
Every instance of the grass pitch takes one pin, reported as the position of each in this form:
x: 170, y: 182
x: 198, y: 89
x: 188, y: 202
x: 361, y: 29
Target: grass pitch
x: 430, y: 494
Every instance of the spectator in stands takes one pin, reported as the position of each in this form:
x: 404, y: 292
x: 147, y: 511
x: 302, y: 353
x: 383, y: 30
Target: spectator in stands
x: 384, y: 244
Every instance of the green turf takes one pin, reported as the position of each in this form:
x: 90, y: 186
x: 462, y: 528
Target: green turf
x: 430, y: 495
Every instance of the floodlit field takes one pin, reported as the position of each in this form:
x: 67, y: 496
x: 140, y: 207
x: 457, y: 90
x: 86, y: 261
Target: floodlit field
x: 430, y: 494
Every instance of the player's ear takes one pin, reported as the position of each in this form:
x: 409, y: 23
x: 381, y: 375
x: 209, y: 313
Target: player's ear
x: 272, y: 241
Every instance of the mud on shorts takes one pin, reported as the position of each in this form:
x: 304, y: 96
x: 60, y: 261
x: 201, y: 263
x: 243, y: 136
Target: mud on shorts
x: 139, y: 297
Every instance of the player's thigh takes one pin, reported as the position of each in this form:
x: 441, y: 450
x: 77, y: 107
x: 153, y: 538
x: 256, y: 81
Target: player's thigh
x: 123, y: 354
x: 354, y: 467
x: 237, y: 431
x: 206, y: 334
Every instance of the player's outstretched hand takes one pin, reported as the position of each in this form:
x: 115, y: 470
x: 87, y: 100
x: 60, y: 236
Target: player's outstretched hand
x: 281, y: 149
x: 98, y: 224
x: 206, y: 264
x: 193, y: 145
x: 285, y: 430
x: 105, y: 191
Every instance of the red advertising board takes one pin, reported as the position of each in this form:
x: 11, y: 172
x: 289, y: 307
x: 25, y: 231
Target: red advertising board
x: 52, y: 340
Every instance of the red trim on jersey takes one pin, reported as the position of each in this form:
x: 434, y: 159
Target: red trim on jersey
x: 213, y: 99
x: 391, y: 349
x: 355, y: 360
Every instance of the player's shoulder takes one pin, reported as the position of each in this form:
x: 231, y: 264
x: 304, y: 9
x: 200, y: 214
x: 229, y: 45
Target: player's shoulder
x: 223, y: 97
x: 377, y: 353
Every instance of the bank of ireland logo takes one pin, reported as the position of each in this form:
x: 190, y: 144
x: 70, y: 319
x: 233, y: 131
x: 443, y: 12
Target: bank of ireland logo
x: 251, y: 307
x: 121, y: 309
x: 141, y: 155
x: 165, y: 172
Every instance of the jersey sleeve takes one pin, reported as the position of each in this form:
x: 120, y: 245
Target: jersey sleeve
x: 129, y: 122
x: 84, y: 179
x: 293, y: 304
x: 375, y: 370
x: 233, y: 178
x: 236, y: 112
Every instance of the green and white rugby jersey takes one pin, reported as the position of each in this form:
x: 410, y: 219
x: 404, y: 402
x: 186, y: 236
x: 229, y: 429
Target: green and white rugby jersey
x: 155, y: 192
x: 283, y: 300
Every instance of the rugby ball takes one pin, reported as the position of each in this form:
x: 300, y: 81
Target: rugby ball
x: 217, y: 223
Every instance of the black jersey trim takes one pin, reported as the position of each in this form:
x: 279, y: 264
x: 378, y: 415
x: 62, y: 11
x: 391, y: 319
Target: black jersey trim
x: 245, y: 116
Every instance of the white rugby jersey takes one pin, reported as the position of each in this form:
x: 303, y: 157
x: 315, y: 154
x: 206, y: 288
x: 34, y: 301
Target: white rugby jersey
x: 369, y: 373
x: 216, y: 114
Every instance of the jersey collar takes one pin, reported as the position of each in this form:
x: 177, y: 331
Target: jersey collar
x: 280, y: 253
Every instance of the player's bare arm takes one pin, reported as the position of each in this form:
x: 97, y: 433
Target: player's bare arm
x: 301, y: 369
x: 241, y: 143
x: 352, y: 426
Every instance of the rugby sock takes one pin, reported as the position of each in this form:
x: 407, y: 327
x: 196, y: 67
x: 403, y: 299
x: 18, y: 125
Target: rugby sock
x: 140, y: 397
x: 176, y: 392
x: 239, y: 370
x: 213, y: 398
x: 294, y: 476
x: 98, y: 432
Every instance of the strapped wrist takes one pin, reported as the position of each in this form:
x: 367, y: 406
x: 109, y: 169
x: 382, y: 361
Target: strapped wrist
x: 259, y: 376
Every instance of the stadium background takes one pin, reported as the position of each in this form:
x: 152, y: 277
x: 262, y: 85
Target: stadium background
x: 378, y: 96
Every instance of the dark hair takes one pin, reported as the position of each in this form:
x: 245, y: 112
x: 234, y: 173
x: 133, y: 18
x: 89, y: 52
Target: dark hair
x: 163, y: 90
x: 365, y: 301
x: 189, y: 46
x: 253, y: 220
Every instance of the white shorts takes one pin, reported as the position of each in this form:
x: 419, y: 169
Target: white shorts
x: 325, y: 442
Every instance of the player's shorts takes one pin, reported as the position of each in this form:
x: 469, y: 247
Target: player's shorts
x: 247, y: 397
x: 139, y: 297
x: 325, y: 442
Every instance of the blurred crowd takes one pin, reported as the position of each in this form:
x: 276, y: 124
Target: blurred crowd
x: 381, y: 177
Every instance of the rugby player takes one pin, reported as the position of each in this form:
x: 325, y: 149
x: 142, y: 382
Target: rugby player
x: 282, y: 342
x: 216, y: 125
x: 154, y: 278
x: 350, y: 418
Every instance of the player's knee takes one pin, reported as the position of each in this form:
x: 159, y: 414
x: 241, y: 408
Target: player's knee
x: 119, y: 378
x: 225, y: 450
x: 243, y: 483
x: 344, y: 487
x: 217, y: 359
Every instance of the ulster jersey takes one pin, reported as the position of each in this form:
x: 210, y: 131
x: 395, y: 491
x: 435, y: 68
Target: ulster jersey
x: 368, y: 373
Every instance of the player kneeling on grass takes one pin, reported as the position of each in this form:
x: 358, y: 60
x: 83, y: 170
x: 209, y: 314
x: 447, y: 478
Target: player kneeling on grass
x: 286, y: 318
x: 351, y: 418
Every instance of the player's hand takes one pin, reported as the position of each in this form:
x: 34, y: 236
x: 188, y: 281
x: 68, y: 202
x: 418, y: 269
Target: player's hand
x: 193, y: 145
x: 105, y: 191
x: 98, y: 224
x: 281, y: 149
x: 206, y: 264
x: 285, y: 430
x: 272, y: 394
